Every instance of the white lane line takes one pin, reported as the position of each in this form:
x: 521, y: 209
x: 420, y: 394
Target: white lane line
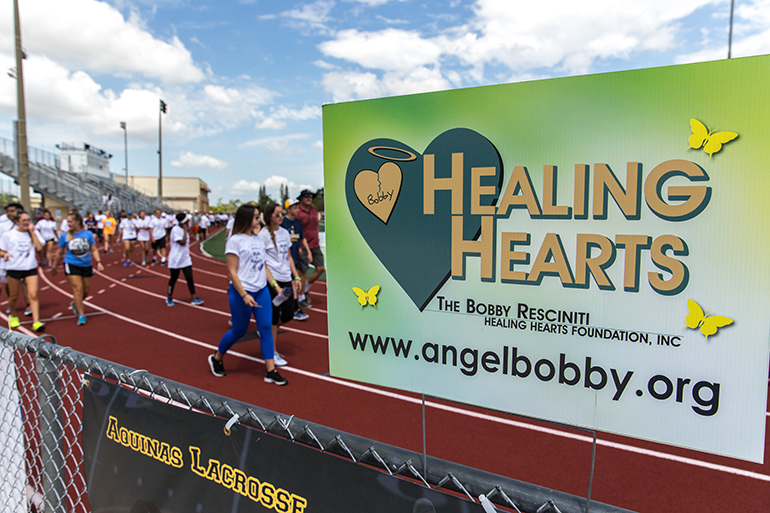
x: 181, y: 278
x: 101, y: 291
x: 204, y: 308
x: 112, y: 286
x: 451, y: 409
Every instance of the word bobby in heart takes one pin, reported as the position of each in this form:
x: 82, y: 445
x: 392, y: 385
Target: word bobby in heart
x: 592, y: 186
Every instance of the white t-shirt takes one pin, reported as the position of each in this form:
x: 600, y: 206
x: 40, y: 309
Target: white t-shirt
x: 65, y: 226
x: 129, y: 230
x: 19, y: 245
x: 100, y: 220
x: 277, y: 255
x: 251, y: 260
x: 47, y: 229
x: 142, y: 228
x: 158, y: 227
x: 230, y: 223
x: 178, y: 254
x: 204, y: 222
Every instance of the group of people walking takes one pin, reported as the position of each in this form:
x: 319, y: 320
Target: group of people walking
x: 266, y: 264
x: 265, y: 281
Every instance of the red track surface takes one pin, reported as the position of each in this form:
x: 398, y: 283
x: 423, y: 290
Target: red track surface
x: 129, y: 323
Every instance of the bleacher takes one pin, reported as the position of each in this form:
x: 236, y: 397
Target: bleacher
x: 82, y: 191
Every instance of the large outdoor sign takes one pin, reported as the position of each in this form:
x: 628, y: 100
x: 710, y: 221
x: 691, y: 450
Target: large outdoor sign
x: 143, y: 455
x: 590, y: 250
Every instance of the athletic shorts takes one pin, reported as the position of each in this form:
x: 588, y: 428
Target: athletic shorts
x: 159, y: 243
x: 20, y: 275
x: 195, y: 229
x: 76, y: 270
x: 129, y: 240
x: 303, y: 264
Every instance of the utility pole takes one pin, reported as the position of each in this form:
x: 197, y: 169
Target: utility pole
x: 21, y: 127
x: 162, y: 111
x: 125, y: 145
x: 730, y: 36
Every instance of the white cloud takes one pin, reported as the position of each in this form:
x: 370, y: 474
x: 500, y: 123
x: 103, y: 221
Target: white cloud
x: 277, y: 116
x: 389, y: 49
x: 94, y: 36
x: 273, y: 187
x: 244, y: 186
x: 561, y: 35
x: 188, y: 159
x: 277, y: 143
x: 310, y: 18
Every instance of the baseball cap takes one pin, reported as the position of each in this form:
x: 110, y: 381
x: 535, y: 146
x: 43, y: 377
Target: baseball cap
x: 306, y: 192
x: 130, y: 212
x: 290, y: 203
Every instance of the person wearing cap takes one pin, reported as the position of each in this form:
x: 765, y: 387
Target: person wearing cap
x: 294, y: 227
x: 308, y: 216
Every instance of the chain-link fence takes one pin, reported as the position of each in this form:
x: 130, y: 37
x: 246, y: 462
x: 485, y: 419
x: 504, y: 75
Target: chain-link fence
x: 41, y: 453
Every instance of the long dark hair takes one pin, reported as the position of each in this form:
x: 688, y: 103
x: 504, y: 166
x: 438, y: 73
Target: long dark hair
x: 244, y: 216
x: 269, y: 211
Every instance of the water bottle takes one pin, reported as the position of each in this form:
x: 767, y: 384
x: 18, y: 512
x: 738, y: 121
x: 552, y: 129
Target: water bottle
x: 282, y: 296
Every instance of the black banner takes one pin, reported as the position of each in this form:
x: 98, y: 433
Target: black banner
x: 146, y: 456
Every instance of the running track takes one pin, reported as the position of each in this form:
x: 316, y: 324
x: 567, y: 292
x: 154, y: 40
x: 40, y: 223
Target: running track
x: 129, y: 323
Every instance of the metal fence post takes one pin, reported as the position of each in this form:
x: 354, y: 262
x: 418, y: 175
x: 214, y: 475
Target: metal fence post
x: 52, y: 432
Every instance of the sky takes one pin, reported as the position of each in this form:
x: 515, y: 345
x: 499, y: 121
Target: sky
x: 244, y: 80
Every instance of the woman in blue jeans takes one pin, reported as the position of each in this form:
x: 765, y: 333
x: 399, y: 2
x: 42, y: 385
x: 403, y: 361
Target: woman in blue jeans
x: 248, y: 293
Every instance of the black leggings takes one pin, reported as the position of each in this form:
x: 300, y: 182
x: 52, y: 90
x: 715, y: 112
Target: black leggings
x: 187, y: 276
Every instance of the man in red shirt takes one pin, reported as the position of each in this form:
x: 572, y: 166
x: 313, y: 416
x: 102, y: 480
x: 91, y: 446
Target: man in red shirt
x: 308, y: 216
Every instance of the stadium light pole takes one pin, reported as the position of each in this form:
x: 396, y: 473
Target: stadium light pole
x: 163, y: 108
x: 125, y: 145
x: 22, y: 156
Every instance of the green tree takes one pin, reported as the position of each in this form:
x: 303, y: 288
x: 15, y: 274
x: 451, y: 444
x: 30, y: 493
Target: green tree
x: 225, y: 208
x: 318, y: 201
x: 264, y: 199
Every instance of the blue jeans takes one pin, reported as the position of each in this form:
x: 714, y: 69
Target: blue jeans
x: 241, y: 315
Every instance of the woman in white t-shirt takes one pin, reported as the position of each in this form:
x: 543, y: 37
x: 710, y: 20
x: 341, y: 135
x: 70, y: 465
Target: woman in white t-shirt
x: 179, y: 260
x: 46, y: 226
x: 277, y: 243
x: 248, y: 293
x: 128, y: 236
x: 18, y: 248
x: 143, y: 234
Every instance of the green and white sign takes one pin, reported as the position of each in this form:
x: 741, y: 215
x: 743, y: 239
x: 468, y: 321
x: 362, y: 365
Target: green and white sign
x: 590, y: 250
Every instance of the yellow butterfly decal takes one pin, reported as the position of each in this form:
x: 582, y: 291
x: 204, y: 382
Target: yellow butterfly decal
x: 369, y: 296
x: 713, y: 140
x: 708, y: 323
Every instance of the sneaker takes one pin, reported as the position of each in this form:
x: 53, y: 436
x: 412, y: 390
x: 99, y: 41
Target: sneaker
x: 169, y: 301
x: 130, y: 263
x: 82, y: 320
x: 196, y: 302
x: 125, y: 263
x: 163, y: 262
x: 152, y: 261
x: 28, y: 311
x: 38, y: 326
x: 14, y: 322
x: 144, y: 262
x: 279, y: 360
x: 305, y: 303
x: 274, y: 377
x: 299, y: 315
x: 217, y: 367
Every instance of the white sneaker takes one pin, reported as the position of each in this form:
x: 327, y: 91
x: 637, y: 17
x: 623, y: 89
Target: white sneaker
x: 279, y: 361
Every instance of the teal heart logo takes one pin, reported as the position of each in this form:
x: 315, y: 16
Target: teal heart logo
x: 409, y: 231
